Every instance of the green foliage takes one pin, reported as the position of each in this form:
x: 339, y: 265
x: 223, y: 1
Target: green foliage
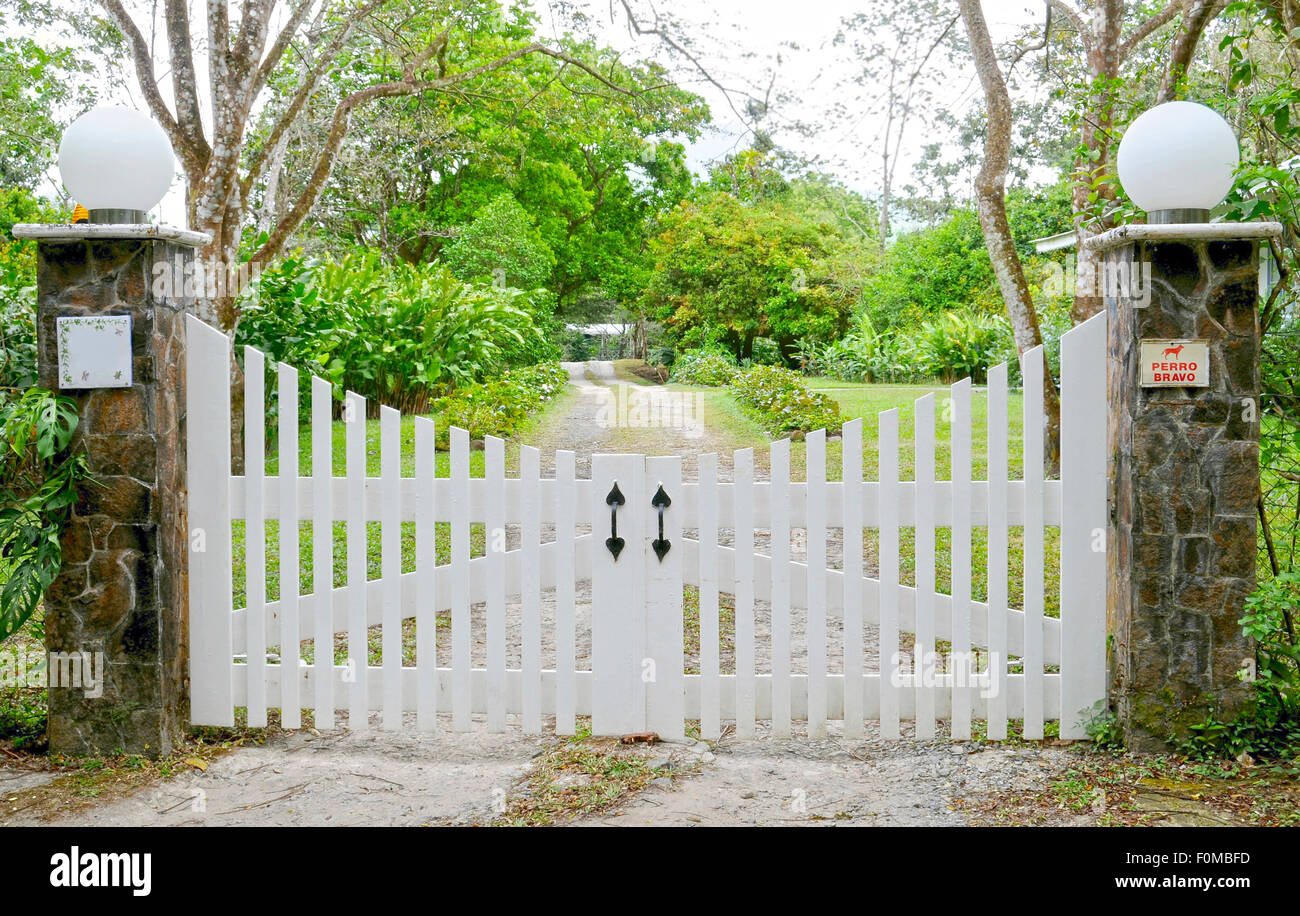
x: 35, y: 82
x: 933, y: 270
x: 704, y: 367
x: 396, y: 334
x: 17, y: 336
x: 497, y: 407
x: 38, y: 485
x: 1270, y: 727
x: 961, y: 344
x: 502, y: 246
x: 781, y: 402
x: 750, y: 256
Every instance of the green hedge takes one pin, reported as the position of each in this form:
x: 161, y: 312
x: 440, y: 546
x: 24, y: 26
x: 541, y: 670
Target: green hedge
x: 704, y: 367
x: 781, y: 403
x: 498, y: 407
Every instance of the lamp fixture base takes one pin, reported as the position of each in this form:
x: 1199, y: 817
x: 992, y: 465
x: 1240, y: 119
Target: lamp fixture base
x: 121, y: 217
x: 1178, y: 215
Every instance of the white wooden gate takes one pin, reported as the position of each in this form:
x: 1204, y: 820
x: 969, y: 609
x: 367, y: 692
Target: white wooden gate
x: 526, y: 641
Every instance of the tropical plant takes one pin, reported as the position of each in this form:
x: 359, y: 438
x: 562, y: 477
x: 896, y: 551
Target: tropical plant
x: 962, y: 343
x: 396, y: 334
x: 38, y: 486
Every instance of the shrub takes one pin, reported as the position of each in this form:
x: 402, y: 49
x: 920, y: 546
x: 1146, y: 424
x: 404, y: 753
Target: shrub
x: 498, y: 407
x: 397, y: 334
x: 704, y: 367
x: 781, y: 402
x: 961, y: 344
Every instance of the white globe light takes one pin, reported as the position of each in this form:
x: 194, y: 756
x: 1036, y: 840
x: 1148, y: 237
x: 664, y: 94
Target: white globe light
x: 1178, y: 156
x: 116, y: 159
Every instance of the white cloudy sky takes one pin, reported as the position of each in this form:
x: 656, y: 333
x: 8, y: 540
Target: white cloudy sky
x: 738, y: 41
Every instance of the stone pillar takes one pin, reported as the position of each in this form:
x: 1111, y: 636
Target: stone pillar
x: 122, y: 589
x: 1184, y: 476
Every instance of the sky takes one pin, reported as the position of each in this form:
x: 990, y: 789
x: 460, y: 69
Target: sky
x: 739, y: 42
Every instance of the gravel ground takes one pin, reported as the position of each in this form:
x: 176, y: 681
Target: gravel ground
x: 390, y: 778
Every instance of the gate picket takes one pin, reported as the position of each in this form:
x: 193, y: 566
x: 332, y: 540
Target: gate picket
x: 255, y: 544
x: 290, y: 631
x: 1031, y: 370
x: 530, y: 590
x: 460, y: 622
x: 923, y: 647
x: 710, y: 699
x: 322, y: 535
x: 358, y: 635
x: 962, y: 666
x: 494, y: 463
x: 665, y: 684
x: 390, y: 457
x: 851, y: 474
x: 996, y: 709
x: 815, y: 443
x: 742, y: 508
x: 426, y: 615
x: 565, y: 635
x: 779, y: 512
x: 889, y: 642
x: 1083, y: 525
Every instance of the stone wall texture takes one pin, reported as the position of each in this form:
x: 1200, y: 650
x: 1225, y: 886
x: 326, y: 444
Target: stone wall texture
x: 1184, y: 474
x: 123, y: 587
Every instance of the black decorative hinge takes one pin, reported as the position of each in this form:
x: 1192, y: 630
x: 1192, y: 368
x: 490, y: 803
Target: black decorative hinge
x: 661, y: 502
x: 614, y: 500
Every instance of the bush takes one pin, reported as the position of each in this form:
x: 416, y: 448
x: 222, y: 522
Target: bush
x: 961, y: 344
x: 498, y: 407
x: 704, y: 367
x: 396, y: 334
x: 780, y: 401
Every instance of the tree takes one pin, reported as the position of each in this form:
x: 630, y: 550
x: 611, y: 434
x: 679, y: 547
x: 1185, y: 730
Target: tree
x: 990, y: 195
x: 501, y: 245
x: 897, y: 44
x: 756, y: 263
x: 1108, y: 34
x: 439, y: 48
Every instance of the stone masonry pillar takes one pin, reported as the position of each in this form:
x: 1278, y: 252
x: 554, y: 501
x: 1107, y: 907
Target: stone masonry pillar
x: 122, y: 590
x: 1183, y: 465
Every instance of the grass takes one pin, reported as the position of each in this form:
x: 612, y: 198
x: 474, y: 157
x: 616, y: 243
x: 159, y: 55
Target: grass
x: 577, y: 777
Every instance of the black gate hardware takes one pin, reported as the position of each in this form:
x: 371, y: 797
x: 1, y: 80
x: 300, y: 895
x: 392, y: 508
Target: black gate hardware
x: 614, y: 542
x: 661, y: 502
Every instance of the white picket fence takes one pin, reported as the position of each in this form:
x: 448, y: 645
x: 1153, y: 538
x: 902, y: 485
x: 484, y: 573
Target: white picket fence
x: 636, y: 678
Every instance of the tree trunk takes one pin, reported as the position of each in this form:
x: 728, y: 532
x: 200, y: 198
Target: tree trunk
x: 990, y: 192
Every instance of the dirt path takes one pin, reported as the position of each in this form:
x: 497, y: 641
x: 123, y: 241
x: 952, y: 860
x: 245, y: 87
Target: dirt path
x: 381, y: 778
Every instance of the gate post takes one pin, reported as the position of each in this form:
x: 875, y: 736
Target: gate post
x: 1183, y: 464
x: 121, y: 594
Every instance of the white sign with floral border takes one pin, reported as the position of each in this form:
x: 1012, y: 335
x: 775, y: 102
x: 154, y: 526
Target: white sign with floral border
x: 95, y: 351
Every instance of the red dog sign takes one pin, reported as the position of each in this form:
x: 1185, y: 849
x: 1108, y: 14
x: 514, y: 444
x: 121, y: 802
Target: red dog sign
x: 1175, y: 364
